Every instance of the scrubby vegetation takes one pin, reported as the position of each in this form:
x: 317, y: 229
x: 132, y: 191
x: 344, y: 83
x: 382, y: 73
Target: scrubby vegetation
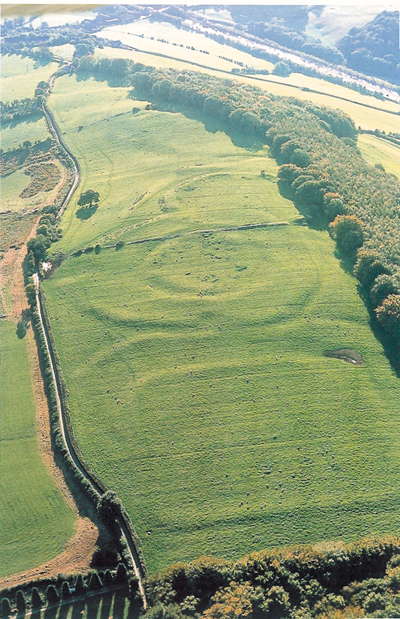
x: 362, y: 579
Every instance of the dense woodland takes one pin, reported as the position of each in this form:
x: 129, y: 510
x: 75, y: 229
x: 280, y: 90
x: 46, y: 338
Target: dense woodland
x: 284, y: 25
x: 297, y: 583
x: 374, y: 48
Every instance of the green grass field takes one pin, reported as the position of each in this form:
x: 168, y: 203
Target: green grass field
x: 35, y: 521
x: 11, y: 187
x: 13, y: 136
x: 375, y: 150
x: 198, y: 387
x: 20, y: 76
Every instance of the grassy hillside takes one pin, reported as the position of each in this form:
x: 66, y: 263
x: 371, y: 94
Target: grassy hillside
x: 375, y: 150
x: 11, y: 188
x: 166, y: 160
x: 35, y: 521
x: 20, y: 76
x: 198, y: 387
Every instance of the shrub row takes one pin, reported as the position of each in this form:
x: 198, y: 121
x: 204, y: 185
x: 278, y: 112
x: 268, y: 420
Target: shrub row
x: 37, y: 593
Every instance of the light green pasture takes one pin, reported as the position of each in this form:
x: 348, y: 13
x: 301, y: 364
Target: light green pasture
x: 375, y: 150
x: 156, y: 172
x: 356, y: 105
x: 14, y: 135
x: 198, y: 387
x: 175, y: 42
x: 35, y: 521
x: 20, y: 76
x: 11, y: 187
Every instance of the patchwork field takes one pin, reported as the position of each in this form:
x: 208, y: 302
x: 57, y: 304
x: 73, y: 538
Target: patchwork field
x: 160, y: 54
x: 35, y: 521
x: 199, y: 391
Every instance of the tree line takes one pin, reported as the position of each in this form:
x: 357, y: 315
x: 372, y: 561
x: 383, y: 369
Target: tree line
x: 38, y: 594
x: 362, y: 578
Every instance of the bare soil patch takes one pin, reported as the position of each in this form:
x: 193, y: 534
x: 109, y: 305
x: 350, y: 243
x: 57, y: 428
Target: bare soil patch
x: 346, y: 354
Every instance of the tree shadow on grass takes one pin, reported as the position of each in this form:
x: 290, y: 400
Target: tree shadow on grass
x: 119, y: 605
x: 51, y: 612
x: 64, y: 610
x: 92, y: 606
x: 86, y: 212
x: 106, y: 606
x: 249, y: 141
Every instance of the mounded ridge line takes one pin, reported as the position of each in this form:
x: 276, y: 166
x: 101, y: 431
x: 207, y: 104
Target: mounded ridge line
x: 123, y: 521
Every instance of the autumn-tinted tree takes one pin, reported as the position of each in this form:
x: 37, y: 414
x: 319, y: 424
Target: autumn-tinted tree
x: 347, y: 230
x: 388, y: 314
x: 368, y: 266
x: 382, y: 287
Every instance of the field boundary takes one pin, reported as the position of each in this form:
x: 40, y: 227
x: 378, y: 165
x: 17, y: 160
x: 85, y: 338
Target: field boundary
x: 70, y: 447
x: 59, y: 411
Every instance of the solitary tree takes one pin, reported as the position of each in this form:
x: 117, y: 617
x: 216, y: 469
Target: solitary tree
x: 368, y: 266
x: 88, y: 198
x: 109, y: 508
x: 383, y: 286
x: 282, y: 69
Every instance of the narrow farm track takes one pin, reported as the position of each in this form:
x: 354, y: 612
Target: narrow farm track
x: 55, y: 131
x: 125, y: 532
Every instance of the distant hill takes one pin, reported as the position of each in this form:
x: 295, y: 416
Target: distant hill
x: 374, y: 49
